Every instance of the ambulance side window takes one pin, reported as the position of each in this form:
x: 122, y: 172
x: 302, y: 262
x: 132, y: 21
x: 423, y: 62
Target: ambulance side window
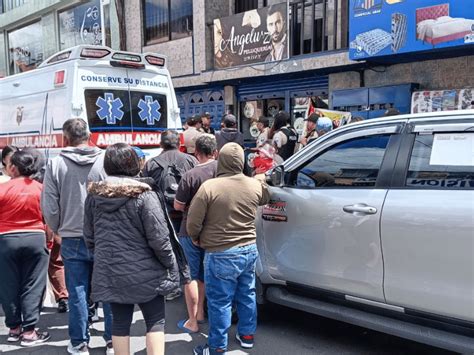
x: 149, y: 110
x: 121, y: 109
x: 108, y: 109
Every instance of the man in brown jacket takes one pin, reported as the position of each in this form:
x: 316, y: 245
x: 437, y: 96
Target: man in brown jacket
x: 221, y: 219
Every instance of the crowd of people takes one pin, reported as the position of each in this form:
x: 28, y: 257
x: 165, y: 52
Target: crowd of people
x: 110, y: 228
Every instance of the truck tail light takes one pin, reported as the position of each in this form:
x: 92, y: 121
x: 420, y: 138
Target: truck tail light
x: 59, y: 78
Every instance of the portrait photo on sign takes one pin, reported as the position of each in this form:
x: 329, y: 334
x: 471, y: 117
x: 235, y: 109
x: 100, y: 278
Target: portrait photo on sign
x: 251, y: 37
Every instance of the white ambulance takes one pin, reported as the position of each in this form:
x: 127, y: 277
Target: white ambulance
x: 124, y: 97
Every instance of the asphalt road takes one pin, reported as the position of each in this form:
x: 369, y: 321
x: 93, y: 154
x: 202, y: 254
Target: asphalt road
x: 281, y: 331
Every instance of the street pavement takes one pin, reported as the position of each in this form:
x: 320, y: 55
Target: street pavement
x: 280, y: 331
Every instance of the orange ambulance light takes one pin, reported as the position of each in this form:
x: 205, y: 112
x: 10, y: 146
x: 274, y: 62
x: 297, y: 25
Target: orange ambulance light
x: 60, y: 78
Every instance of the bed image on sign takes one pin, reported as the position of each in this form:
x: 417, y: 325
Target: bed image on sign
x: 435, y: 26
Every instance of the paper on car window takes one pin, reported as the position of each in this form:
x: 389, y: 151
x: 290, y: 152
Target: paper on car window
x: 453, y: 149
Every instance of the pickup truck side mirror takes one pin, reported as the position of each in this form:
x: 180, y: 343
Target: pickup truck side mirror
x: 276, y: 177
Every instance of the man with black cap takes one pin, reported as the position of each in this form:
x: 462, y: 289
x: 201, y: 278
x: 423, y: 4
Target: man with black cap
x: 190, y: 135
x: 229, y: 132
x: 206, y: 123
x: 311, y: 133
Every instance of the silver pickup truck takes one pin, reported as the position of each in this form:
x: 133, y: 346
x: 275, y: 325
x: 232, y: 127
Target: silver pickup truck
x: 373, y: 224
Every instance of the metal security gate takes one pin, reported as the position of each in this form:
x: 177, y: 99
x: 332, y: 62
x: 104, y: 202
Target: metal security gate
x: 199, y: 101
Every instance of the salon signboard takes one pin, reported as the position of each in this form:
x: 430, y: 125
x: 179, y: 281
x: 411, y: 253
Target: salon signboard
x: 251, y: 37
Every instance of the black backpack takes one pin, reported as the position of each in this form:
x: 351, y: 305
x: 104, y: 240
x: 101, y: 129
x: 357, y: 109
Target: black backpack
x: 169, y: 180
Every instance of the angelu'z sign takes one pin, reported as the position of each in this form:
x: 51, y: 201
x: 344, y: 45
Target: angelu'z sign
x: 254, y: 36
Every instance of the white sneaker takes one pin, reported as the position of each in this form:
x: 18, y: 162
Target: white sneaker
x: 109, y: 348
x: 81, y: 349
x: 95, y: 317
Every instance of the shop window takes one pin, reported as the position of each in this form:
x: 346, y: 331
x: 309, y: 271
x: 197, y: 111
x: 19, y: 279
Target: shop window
x: 25, y: 47
x: 7, y: 5
x: 314, y: 27
x: 80, y: 25
x: 246, y: 5
x: 166, y: 20
x: 250, y: 111
x: 302, y: 105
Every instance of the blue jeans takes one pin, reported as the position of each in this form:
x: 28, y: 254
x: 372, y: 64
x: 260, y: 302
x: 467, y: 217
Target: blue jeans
x: 230, y: 277
x: 78, y: 263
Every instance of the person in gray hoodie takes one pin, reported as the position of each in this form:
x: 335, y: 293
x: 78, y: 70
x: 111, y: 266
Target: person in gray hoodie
x: 62, y: 204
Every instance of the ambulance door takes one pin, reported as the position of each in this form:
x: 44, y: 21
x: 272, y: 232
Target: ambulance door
x: 107, y: 103
x: 151, y: 100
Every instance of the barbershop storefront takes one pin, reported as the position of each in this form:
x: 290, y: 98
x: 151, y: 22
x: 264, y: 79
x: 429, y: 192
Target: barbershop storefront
x: 273, y: 94
x: 262, y: 36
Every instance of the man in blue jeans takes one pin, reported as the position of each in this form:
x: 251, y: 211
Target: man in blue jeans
x: 221, y: 219
x: 62, y: 203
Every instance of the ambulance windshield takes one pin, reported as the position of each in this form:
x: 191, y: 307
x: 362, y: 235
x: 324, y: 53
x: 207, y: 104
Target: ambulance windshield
x: 123, y: 110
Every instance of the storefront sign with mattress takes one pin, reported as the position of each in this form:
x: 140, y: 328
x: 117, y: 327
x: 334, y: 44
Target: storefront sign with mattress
x: 387, y: 27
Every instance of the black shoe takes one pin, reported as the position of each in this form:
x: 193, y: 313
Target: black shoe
x: 246, y: 341
x: 39, y: 338
x: 13, y: 337
x: 63, y: 305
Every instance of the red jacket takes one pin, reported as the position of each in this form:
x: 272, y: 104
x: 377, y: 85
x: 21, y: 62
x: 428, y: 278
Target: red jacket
x: 20, y: 206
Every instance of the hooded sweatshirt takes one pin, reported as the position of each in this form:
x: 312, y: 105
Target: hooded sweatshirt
x: 228, y: 135
x: 222, y: 213
x: 65, y: 190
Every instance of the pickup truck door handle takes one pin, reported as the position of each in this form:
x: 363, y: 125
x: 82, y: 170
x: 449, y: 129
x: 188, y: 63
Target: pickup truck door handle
x: 360, y: 208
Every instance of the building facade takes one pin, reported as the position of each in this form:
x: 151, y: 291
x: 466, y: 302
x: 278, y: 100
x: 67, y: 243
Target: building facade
x: 256, y: 57
x: 316, y: 45
x: 31, y: 31
x: 316, y: 66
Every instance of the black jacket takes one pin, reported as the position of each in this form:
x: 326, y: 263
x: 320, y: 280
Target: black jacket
x: 183, y: 162
x: 227, y: 135
x: 126, y: 229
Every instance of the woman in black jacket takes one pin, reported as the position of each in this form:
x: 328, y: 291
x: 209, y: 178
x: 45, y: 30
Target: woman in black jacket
x: 134, y: 263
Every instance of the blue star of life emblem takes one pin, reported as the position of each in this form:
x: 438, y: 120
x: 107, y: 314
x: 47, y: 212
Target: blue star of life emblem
x: 149, y: 110
x: 110, y: 109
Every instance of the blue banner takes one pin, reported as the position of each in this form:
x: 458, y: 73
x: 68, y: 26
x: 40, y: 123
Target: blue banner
x: 387, y: 27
